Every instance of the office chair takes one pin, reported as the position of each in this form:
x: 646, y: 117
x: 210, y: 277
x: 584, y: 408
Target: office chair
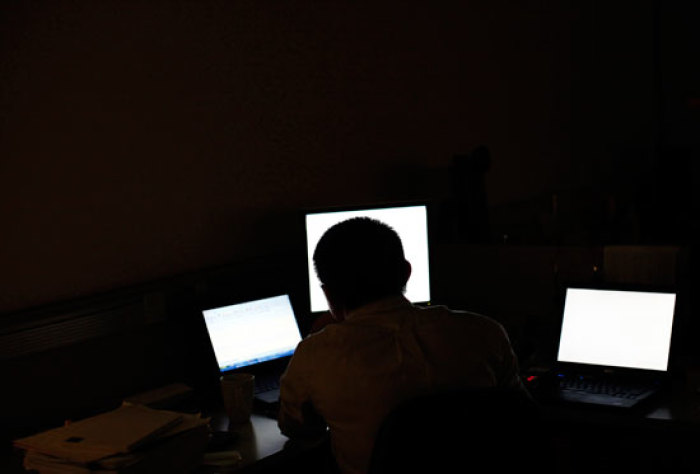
x: 470, y: 430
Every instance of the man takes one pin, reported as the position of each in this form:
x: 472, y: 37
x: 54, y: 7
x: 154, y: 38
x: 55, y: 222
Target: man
x: 384, y: 350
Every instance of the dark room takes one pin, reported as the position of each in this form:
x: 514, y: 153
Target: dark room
x: 159, y: 159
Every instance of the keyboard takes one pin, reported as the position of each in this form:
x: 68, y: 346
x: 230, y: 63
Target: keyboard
x: 267, y: 387
x: 266, y: 383
x: 607, y: 387
x: 603, y: 391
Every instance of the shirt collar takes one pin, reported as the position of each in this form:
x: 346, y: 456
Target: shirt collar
x: 384, y: 305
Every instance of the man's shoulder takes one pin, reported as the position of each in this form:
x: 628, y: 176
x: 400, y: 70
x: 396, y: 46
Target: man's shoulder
x: 319, y: 338
x: 455, y: 314
x: 454, y: 318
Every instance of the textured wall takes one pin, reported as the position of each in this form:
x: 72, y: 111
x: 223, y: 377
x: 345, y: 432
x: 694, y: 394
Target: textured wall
x: 143, y: 139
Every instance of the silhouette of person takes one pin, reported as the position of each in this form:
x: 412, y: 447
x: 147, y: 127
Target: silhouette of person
x: 384, y: 350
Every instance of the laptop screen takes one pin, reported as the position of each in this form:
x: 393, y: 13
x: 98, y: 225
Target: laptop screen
x: 248, y: 333
x: 628, y: 329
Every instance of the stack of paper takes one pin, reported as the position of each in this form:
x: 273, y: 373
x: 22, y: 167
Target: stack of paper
x: 130, y: 439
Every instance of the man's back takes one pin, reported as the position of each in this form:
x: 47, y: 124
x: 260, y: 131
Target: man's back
x: 355, y: 372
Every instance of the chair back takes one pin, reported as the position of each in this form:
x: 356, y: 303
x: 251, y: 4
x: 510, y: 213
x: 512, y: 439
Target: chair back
x: 471, y: 430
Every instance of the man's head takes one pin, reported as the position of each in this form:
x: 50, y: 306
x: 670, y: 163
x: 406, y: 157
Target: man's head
x: 358, y: 261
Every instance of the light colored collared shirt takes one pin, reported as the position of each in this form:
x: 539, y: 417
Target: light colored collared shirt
x: 352, y: 374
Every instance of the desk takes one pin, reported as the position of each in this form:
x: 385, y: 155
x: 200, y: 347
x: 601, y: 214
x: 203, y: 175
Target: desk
x: 258, y: 441
x: 261, y: 445
x: 662, y: 438
x: 264, y: 449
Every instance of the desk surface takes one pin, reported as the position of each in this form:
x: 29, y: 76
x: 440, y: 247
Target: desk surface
x: 660, y: 438
x: 679, y: 405
x: 259, y: 442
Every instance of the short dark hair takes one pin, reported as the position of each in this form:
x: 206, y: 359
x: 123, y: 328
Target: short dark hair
x: 361, y: 260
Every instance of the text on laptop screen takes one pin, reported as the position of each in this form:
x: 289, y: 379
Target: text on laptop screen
x: 629, y: 329
x: 410, y: 222
x: 256, y: 331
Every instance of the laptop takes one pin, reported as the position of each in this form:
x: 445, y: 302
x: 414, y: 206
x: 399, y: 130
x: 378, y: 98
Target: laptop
x: 614, y: 346
x: 256, y: 336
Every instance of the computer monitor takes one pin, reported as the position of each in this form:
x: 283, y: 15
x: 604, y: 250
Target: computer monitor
x: 617, y: 328
x: 252, y: 332
x: 410, y: 221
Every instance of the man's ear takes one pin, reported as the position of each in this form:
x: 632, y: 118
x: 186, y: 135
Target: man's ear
x: 334, y: 305
x: 407, y: 271
x: 326, y: 293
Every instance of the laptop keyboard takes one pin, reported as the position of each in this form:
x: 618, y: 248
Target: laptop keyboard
x: 611, y: 388
x: 266, y: 383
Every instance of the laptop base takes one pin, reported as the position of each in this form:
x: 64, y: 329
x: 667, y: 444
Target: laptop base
x: 601, y: 392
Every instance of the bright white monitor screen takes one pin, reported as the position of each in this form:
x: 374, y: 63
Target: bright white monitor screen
x: 410, y: 222
x: 248, y: 333
x: 630, y: 329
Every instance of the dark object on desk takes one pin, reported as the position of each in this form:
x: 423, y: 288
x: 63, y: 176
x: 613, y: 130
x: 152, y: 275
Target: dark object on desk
x: 479, y: 429
x: 222, y: 440
x: 465, y: 214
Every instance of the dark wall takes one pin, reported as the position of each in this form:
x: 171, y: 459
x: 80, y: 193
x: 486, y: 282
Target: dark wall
x: 146, y: 139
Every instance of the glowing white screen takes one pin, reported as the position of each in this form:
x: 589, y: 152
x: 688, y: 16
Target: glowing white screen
x: 256, y: 331
x: 410, y: 222
x: 629, y: 329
